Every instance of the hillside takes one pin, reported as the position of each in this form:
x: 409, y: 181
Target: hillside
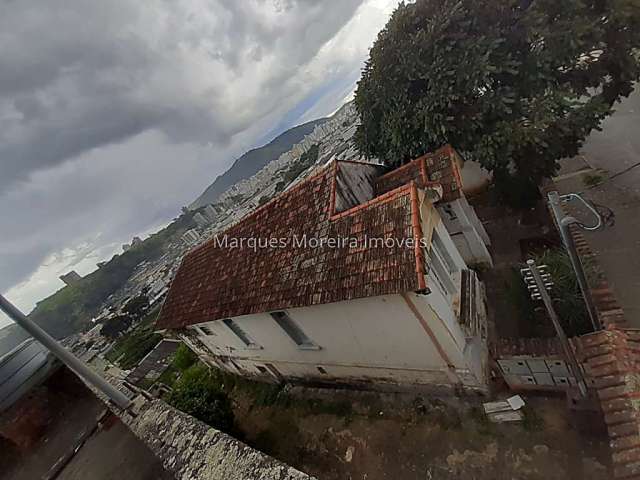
x: 71, y: 308
x: 252, y: 161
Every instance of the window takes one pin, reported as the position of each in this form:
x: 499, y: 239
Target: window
x: 441, y: 274
x: 262, y: 370
x: 241, y: 334
x: 322, y: 370
x: 293, y: 330
x: 204, y: 330
x: 443, y: 253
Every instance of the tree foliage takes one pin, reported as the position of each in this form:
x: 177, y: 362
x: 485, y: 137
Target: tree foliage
x: 513, y: 84
x: 137, y: 306
x: 114, y: 327
x: 184, y: 358
x: 198, y: 393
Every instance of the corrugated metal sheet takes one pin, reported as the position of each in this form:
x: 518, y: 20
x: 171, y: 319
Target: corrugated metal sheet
x: 23, y: 368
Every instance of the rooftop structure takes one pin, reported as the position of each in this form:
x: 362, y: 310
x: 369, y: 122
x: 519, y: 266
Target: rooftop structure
x: 70, y: 278
x: 344, y: 253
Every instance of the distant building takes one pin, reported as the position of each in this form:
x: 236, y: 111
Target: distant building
x: 210, y: 212
x: 201, y: 220
x: 190, y: 237
x: 70, y: 278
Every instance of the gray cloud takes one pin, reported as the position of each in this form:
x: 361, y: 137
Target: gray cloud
x: 113, y: 114
x: 77, y: 74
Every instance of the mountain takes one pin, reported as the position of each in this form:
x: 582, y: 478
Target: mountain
x: 253, y: 161
x: 71, y: 308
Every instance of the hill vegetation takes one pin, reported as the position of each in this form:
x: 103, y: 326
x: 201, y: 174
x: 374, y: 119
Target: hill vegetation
x: 254, y: 160
x: 71, y: 308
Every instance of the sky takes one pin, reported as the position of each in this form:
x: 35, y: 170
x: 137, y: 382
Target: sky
x: 115, y: 114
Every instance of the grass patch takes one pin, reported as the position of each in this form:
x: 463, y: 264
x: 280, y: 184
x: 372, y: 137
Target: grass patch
x: 592, y: 179
x: 133, y: 346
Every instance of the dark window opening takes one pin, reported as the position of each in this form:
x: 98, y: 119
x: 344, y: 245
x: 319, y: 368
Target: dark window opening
x: 292, y: 330
x: 206, y: 330
x: 239, y: 332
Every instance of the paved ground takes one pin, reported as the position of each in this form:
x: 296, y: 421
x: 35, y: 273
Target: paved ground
x: 607, y: 153
x: 114, y: 453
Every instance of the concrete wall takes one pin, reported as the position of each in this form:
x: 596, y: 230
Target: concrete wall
x: 370, y: 340
x: 190, y: 449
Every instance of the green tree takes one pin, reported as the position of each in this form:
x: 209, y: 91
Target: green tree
x: 199, y: 394
x: 513, y: 84
x: 114, y: 327
x: 137, y: 306
x: 184, y: 358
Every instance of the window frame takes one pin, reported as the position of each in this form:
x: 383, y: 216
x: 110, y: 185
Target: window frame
x: 246, y: 339
x: 293, y: 330
x: 440, y: 249
x: 206, y: 331
x: 441, y: 275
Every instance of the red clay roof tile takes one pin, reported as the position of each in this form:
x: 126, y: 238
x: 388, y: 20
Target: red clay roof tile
x: 214, y: 282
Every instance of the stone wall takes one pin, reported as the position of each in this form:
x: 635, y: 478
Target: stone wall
x: 190, y: 449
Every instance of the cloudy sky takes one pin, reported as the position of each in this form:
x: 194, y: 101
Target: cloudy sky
x: 115, y: 114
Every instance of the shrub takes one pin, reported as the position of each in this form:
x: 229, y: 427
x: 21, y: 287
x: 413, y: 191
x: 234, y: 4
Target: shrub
x: 184, y: 358
x: 198, y: 393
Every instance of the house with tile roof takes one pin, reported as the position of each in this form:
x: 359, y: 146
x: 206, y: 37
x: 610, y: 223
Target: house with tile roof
x: 354, y: 276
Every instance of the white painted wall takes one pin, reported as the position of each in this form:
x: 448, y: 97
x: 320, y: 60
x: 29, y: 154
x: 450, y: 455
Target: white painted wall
x: 466, y: 230
x: 377, y: 338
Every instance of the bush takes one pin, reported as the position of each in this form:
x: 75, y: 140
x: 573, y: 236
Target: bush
x: 566, y: 294
x: 184, y: 358
x: 198, y: 393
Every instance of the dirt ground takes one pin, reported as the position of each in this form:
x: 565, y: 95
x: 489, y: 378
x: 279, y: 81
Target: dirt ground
x: 338, y: 434
x: 513, y: 234
x: 114, y: 453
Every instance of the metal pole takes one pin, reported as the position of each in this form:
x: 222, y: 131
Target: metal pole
x: 564, y: 341
x: 564, y: 221
x: 63, y: 355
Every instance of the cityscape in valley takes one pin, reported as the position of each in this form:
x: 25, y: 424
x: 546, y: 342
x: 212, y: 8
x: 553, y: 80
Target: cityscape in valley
x: 437, y: 280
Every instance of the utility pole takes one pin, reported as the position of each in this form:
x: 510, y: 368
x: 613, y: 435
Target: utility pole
x: 539, y: 282
x: 564, y: 221
x: 66, y: 357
